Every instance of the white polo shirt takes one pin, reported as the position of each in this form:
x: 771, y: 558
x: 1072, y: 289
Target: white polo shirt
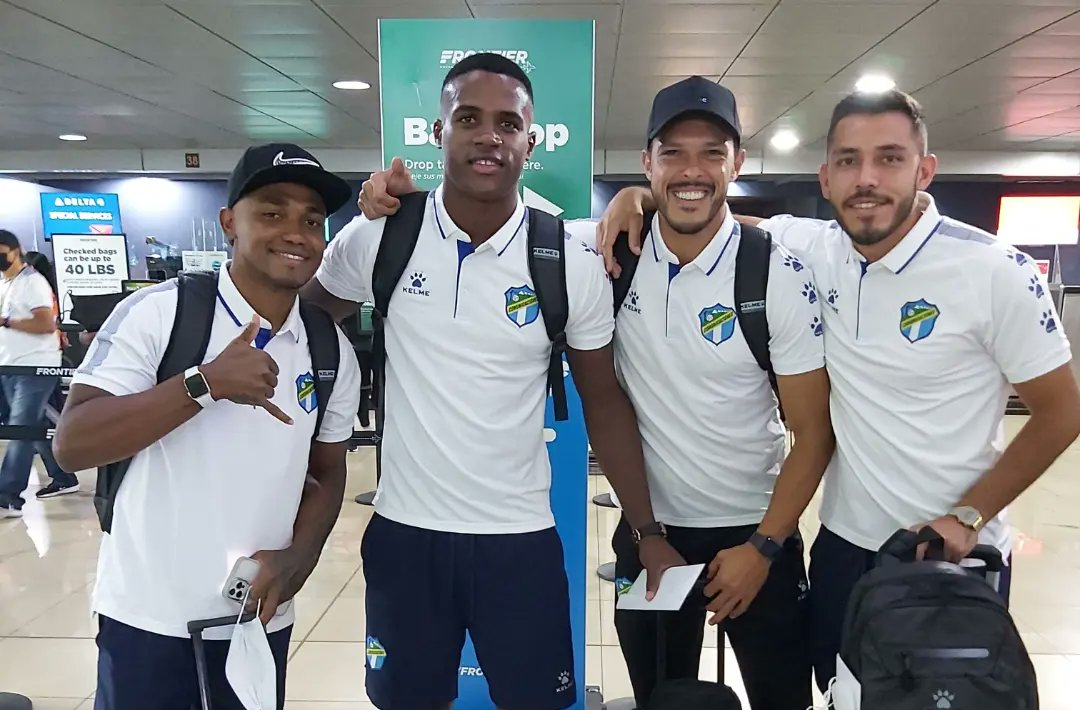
x: 467, y: 369
x: 710, y: 428
x: 20, y: 296
x: 225, y: 484
x: 921, y: 347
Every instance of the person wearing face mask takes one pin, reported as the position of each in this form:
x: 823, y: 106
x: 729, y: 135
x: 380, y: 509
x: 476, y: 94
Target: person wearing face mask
x: 28, y: 337
x: 715, y: 460
x: 927, y: 322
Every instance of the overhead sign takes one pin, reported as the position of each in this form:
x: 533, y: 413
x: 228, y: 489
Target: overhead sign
x: 556, y: 55
x: 88, y: 264
x: 80, y: 213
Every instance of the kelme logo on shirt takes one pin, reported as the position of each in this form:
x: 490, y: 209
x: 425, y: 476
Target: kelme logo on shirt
x: 631, y: 302
x: 717, y: 323
x: 376, y: 654
x: 522, y: 305
x: 305, y: 393
x: 917, y: 319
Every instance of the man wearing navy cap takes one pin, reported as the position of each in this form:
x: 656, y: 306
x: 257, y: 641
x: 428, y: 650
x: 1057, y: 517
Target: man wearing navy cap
x: 226, y: 461
x: 710, y: 426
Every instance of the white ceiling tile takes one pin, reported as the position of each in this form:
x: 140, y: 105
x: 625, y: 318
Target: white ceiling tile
x: 693, y: 19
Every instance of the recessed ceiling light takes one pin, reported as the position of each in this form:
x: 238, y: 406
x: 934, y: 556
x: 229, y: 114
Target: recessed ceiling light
x: 352, y: 85
x: 874, y: 84
x: 72, y: 137
x: 784, y: 140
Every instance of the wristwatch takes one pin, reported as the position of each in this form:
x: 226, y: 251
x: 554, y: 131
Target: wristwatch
x: 196, y: 387
x: 650, y: 530
x: 768, y: 547
x: 969, y: 517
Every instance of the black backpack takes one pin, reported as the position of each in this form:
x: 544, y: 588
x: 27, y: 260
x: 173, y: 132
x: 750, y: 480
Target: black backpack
x: 751, y: 286
x: 546, y: 237
x: 930, y: 634
x: 196, y: 302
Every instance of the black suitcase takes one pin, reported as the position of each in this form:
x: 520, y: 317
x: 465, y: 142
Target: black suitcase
x: 690, y: 693
x: 195, y: 628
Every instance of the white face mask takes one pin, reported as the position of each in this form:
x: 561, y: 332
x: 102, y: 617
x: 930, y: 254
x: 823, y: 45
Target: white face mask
x: 250, y: 667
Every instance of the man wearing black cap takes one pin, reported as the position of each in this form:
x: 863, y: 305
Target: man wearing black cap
x: 710, y: 425
x: 226, y: 462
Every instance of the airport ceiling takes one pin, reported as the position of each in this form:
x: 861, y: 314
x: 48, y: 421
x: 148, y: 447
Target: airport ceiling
x: 992, y: 74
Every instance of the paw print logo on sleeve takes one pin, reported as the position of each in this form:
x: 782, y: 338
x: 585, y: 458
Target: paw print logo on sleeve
x: 1047, y: 321
x: 817, y: 327
x: 1036, y: 287
x: 793, y: 263
x: 809, y: 292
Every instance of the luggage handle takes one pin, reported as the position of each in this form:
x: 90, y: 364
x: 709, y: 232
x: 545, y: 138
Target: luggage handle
x: 903, y: 544
x: 195, y: 628
x: 901, y: 547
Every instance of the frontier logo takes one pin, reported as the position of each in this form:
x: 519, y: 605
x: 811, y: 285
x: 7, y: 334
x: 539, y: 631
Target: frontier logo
x: 450, y: 57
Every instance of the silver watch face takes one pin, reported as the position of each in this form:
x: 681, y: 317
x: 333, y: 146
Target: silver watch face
x: 967, y: 515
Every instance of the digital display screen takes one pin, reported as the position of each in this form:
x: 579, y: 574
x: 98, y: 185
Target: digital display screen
x: 1039, y: 220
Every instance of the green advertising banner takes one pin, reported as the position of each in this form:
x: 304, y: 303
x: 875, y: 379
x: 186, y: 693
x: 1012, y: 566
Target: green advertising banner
x: 557, y: 55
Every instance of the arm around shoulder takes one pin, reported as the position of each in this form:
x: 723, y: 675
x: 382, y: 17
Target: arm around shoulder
x: 344, y: 277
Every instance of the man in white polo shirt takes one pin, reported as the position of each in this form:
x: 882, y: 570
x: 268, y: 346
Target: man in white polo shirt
x: 463, y: 538
x: 226, y: 461
x: 708, y: 418
x: 928, y: 321
x: 28, y: 338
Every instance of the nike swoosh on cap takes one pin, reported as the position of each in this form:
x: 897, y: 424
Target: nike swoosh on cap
x: 280, y: 159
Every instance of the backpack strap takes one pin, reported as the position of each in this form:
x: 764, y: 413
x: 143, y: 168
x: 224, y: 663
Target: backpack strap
x: 196, y: 297
x: 325, y: 353
x: 396, y: 248
x: 400, y: 235
x: 627, y: 261
x: 547, y: 264
x: 195, y: 305
x: 751, y: 283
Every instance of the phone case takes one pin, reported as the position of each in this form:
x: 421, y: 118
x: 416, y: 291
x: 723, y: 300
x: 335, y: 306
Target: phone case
x: 243, y: 574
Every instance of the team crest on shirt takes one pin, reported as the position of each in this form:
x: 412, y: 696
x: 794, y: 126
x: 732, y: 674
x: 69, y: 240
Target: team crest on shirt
x: 376, y: 654
x: 917, y: 319
x: 522, y: 305
x: 717, y: 323
x: 305, y: 393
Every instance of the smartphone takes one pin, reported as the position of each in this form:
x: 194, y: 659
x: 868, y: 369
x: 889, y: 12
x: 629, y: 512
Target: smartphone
x: 243, y: 574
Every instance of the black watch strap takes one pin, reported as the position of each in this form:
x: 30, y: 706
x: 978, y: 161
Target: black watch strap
x: 768, y: 547
x: 652, y: 529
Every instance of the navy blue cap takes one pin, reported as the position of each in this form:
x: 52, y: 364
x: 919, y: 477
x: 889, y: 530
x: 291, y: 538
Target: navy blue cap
x: 695, y: 95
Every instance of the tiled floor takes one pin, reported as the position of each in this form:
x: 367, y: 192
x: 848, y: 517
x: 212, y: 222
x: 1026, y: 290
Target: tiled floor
x: 47, y: 563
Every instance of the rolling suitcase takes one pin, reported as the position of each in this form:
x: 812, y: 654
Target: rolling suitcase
x: 689, y: 693
x: 196, y: 628
x: 931, y: 634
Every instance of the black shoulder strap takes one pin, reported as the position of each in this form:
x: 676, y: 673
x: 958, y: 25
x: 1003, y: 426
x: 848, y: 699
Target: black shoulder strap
x: 195, y: 304
x: 325, y: 355
x: 751, y: 284
x: 627, y: 261
x: 188, y: 340
x: 547, y: 237
x: 398, y: 242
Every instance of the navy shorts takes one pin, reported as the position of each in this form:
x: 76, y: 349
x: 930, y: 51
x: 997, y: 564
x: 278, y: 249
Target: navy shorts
x: 139, y: 670
x: 425, y: 589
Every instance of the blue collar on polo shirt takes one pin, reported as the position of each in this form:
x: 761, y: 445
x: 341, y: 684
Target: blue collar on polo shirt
x: 241, y: 312
x: 913, y: 242
x: 710, y: 256
x: 499, y: 242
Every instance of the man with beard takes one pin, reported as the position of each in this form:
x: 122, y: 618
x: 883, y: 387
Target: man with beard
x: 463, y: 538
x: 709, y: 421
x: 928, y: 320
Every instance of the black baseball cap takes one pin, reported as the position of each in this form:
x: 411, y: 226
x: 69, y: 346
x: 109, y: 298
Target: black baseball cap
x: 272, y: 163
x: 696, y: 95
